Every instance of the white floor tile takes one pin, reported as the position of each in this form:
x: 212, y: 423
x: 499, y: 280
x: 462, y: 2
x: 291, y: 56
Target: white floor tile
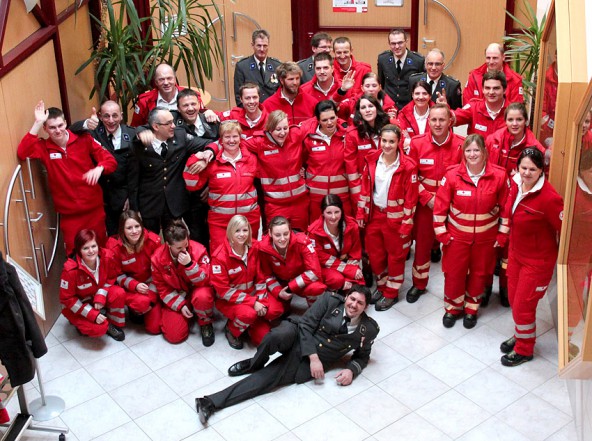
x: 74, y: 388
x: 426, y: 304
x: 118, y: 369
x: 62, y: 330
x: 482, y: 343
x: 529, y: 375
x: 256, y: 424
x: 330, y: 426
x: 384, y: 362
x: 433, y: 322
x: 157, y: 352
x: 389, y: 321
x: 534, y: 417
x: 335, y: 394
x: 555, y: 392
x: 566, y: 433
x: 411, y: 427
x: 414, y: 342
x: 129, y: 431
x: 493, y: 430
x: 208, y: 434
x: 135, y: 334
x: 173, y: 421
x: 51, y: 340
x: 87, y: 350
x: 189, y: 373
x: 451, y: 365
x: 57, y: 362
x: 547, y: 346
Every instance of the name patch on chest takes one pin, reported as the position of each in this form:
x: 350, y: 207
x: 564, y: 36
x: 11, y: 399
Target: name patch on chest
x: 463, y: 192
x: 364, y: 146
x: 238, y: 269
x: 327, y: 246
x: 271, y: 152
x: 481, y: 127
x: 223, y: 175
x: 55, y: 156
x: 128, y: 262
x: 426, y: 161
x: 84, y: 286
x: 320, y: 148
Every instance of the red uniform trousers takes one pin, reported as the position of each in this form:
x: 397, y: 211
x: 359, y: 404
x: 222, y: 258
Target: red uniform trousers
x: 244, y: 317
x: 424, y: 236
x: 334, y: 279
x: 175, y: 327
x: 115, y: 314
x: 71, y: 224
x: 387, y: 251
x: 218, y: 223
x: 528, y: 279
x: 148, y: 305
x: 296, y: 211
x: 466, y: 267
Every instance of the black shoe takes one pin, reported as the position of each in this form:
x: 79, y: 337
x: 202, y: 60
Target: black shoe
x: 486, y: 296
x: 512, y: 359
x: 508, y: 345
x: 207, y: 335
x: 504, y: 297
x: 115, y: 333
x: 414, y: 293
x: 383, y: 304
x: 450, y: 319
x: 368, y: 278
x: 234, y: 342
x: 205, y: 409
x: 240, y: 368
x: 470, y: 321
x: 436, y: 255
x: 376, y: 296
x: 135, y: 317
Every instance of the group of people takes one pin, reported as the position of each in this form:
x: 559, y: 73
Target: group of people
x: 343, y: 174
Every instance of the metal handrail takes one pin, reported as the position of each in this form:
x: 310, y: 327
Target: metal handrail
x: 7, y: 207
x: 226, y: 98
x: 456, y: 25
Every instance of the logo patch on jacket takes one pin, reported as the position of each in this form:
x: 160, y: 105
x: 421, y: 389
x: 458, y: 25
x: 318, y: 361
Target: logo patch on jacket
x: 64, y: 284
x: 463, y: 192
x: 223, y: 175
x: 216, y: 269
x: 55, y: 156
x: 238, y: 269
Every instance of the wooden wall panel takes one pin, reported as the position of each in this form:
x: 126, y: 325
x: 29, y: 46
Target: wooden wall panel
x: 19, y: 25
x: 377, y: 16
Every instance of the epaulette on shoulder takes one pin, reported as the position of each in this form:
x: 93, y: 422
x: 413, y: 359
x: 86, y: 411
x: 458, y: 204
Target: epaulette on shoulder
x: 274, y: 59
x: 384, y: 52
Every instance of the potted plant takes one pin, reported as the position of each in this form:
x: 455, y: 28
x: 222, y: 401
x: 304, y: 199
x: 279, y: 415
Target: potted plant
x: 130, y: 47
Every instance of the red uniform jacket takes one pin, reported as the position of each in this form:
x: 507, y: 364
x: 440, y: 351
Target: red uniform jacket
x: 278, y: 167
x: 474, y: 87
x: 476, y: 116
x: 347, y: 260
x: 239, y: 114
x: 234, y: 281
x: 79, y: 290
x: 536, y: 223
x: 501, y: 151
x: 359, y: 67
x: 550, y: 96
x: 347, y: 106
x: 232, y: 190
x: 146, y: 102
x: 299, y: 268
x: 174, y: 281
x: 433, y: 160
x: 470, y: 213
x: 134, y: 268
x: 402, y: 195
x: 69, y: 191
x: 311, y: 88
x: 406, y: 121
x: 301, y: 109
x: 356, y: 150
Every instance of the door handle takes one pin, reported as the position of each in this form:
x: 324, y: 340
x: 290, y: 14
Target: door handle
x: 454, y: 20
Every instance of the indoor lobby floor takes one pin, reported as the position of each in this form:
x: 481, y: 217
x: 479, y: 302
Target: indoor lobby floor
x: 423, y: 382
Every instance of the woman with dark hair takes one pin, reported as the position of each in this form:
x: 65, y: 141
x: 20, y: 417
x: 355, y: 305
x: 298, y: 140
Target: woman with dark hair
x: 132, y: 249
x: 241, y: 294
x: 181, y: 274
x: 87, y: 289
x: 323, y: 157
x: 536, y: 212
x: 467, y: 222
x: 279, y: 161
x: 413, y: 117
x: 387, y: 205
x: 362, y: 139
x: 336, y: 239
x: 370, y: 86
x: 289, y: 264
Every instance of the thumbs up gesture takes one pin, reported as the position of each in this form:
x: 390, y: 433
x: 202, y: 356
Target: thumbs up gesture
x: 441, y: 97
x: 93, y: 120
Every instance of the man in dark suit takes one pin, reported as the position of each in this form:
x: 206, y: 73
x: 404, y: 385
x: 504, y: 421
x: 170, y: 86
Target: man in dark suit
x: 320, y: 42
x: 396, y: 65
x: 119, y: 193
x: 328, y: 330
x: 258, y: 68
x: 441, y: 83
x: 162, y: 196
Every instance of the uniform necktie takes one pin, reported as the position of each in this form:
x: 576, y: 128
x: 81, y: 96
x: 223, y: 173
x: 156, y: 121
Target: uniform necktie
x: 164, y: 149
x: 110, y: 137
x: 262, y: 70
x: 343, y: 328
x: 399, y: 67
x: 431, y: 86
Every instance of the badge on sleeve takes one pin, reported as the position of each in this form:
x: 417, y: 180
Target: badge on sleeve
x: 273, y: 78
x: 216, y: 269
x: 137, y: 109
x: 311, y: 247
x: 443, y: 181
x: 413, y: 179
x: 64, y: 284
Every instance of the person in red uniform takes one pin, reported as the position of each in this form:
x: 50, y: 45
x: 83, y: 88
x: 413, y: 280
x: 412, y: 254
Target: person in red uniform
x: 336, y: 239
x: 181, y: 274
x: 324, y: 84
x: 230, y: 178
x: 494, y: 61
x: 504, y: 146
x: 549, y: 103
x: 289, y: 97
x: 74, y: 164
x: 387, y: 206
x: 132, y: 249
x: 87, y: 289
x: 467, y: 222
x: 345, y: 63
x: 484, y: 116
x: 536, y: 212
x: 279, y: 160
x: 323, y: 157
x: 433, y: 153
x: 370, y: 86
x: 241, y: 294
x: 413, y: 117
x: 289, y: 264
x: 252, y: 115
x: 362, y: 139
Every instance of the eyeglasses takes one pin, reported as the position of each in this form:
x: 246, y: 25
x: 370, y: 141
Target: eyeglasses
x: 397, y: 43
x: 168, y: 123
x: 434, y: 64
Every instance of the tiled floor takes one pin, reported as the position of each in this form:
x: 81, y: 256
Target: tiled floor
x: 424, y: 382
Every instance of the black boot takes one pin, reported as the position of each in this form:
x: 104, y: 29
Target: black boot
x: 504, y: 297
x: 486, y: 296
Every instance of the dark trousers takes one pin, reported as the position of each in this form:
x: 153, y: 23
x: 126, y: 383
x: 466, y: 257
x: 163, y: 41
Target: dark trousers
x: 197, y: 220
x: 289, y: 368
x: 155, y: 224
x: 112, y: 220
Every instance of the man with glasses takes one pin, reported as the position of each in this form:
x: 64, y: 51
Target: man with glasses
x: 162, y: 196
x: 321, y: 42
x: 441, y: 83
x: 396, y: 65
